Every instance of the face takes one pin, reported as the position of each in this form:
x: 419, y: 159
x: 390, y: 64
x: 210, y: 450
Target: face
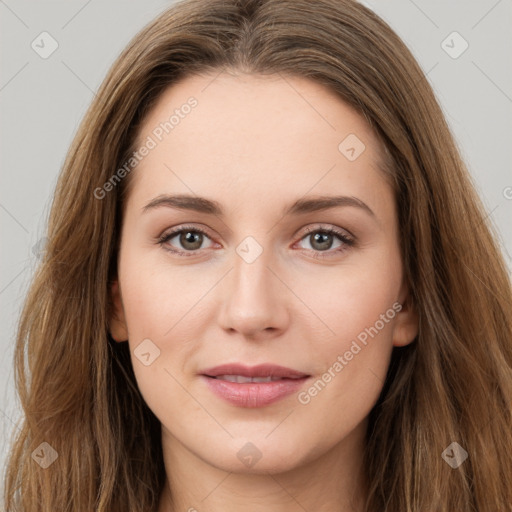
x: 259, y: 272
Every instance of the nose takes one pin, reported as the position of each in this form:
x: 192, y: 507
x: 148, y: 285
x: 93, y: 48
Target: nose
x: 255, y: 304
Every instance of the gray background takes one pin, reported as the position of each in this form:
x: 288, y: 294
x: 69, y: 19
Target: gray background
x: 43, y: 100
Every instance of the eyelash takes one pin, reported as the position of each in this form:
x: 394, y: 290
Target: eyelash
x: 347, y: 240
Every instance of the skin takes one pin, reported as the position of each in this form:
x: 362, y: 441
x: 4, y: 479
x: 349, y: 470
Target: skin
x: 257, y: 144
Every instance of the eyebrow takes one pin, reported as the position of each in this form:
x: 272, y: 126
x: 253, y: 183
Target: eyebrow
x: 209, y: 206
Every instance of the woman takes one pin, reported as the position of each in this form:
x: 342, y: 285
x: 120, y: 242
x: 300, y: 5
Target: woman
x: 269, y: 283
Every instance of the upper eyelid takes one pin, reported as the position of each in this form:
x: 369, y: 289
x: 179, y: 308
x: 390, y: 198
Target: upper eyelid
x: 185, y: 227
x: 326, y: 227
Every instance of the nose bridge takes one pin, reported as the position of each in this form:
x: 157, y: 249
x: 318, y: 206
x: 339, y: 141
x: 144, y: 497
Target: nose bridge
x: 251, y: 278
x: 253, y: 299
x: 250, y: 275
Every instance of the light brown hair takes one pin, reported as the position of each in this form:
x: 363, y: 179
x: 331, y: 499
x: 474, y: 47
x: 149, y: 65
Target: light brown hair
x: 454, y: 383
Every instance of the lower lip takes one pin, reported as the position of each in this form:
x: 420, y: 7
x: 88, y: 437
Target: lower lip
x: 253, y: 394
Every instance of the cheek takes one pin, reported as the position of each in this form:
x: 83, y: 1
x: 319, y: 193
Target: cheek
x: 157, y: 313
x: 157, y: 295
x: 358, y: 311
x: 352, y: 299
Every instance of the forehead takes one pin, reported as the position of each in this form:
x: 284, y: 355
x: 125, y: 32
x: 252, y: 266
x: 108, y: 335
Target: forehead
x: 252, y: 137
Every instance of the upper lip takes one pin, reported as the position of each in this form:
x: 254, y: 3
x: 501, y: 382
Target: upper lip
x: 261, y: 370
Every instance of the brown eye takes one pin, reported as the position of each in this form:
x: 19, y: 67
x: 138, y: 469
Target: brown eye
x: 322, y: 240
x: 189, y: 240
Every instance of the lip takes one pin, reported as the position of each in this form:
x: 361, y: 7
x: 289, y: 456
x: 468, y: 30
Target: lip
x: 253, y: 394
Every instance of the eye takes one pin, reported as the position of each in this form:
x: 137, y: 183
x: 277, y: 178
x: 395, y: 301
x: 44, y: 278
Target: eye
x: 321, y: 240
x: 190, y: 239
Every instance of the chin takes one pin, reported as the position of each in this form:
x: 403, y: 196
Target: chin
x: 256, y: 457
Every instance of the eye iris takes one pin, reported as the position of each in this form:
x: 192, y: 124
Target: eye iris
x: 324, y: 239
x: 191, y: 237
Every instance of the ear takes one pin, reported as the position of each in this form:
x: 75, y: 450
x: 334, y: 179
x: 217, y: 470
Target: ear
x: 117, y: 323
x: 407, y: 321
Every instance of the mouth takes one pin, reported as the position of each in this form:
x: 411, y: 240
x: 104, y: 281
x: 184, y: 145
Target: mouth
x: 255, y: 386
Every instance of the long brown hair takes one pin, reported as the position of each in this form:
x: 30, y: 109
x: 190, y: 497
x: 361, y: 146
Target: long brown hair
x: 453, y: 384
